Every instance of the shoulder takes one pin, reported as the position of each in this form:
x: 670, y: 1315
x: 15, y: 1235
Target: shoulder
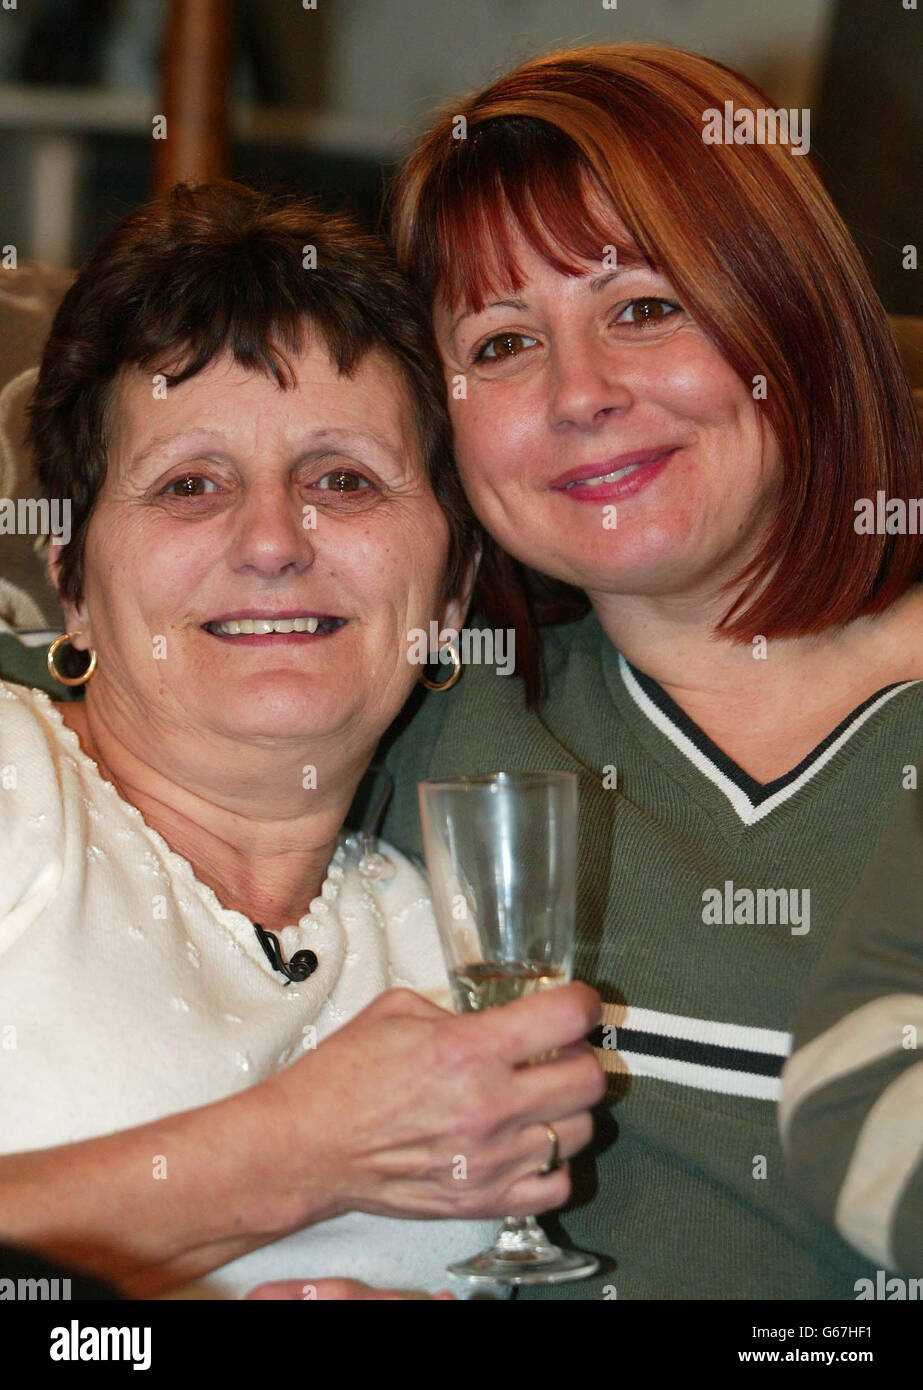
x: 35, y: 747
x: 32, y: 781
x: 895, y: 715
x: 42, y: 772
x: 488, y: 691
x: 872, y: 967
x: 30, y: 726
x: 581, y: 643
x: 877, y: 948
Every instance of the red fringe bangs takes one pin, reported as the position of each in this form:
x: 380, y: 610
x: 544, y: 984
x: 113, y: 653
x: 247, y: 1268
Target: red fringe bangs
x: 551, y: 201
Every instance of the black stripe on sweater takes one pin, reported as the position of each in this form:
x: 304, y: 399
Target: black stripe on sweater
x: 630, y: 1040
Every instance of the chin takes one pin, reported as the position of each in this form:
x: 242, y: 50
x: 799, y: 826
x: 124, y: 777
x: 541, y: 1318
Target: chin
x: 648, y: 561
x: 283, y: 708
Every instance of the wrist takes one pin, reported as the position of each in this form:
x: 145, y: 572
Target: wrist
x: 295, y: 1178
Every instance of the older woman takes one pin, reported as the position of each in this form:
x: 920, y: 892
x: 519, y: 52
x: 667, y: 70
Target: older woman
x: 673, y: 389
x: 201, y: 1080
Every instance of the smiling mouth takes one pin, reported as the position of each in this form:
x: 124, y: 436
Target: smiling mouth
x: 313, y: 625
x: 587, y: 478
x: 604, y: 477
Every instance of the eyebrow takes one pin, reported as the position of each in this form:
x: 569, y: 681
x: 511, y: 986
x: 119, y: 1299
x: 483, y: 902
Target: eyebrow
x: 596, y: 286
x: 192, y: 439
x: 163, y: 441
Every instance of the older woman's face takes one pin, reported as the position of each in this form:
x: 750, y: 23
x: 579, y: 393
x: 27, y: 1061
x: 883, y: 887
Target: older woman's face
x: 603, y: 439
x: 204, y: 518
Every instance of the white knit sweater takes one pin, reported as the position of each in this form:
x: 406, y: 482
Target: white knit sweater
x: 128, y: 992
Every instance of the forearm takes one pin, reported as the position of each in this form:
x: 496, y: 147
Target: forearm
x: 851, y: 1113
x: 153, y: 1207
x: 852, y: 1091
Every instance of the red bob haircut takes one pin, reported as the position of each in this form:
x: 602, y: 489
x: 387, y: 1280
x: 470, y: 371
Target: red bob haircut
x: 752, y: 243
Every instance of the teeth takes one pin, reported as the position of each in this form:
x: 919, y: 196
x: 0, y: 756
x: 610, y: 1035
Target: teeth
x: 261, y: 627
x: 606, y: 478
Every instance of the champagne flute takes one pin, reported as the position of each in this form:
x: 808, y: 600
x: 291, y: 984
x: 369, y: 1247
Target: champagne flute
x: 501, y: 853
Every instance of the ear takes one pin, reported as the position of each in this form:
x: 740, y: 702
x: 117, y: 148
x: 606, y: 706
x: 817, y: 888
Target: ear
x: 76, y: 618
x: 455, y: 609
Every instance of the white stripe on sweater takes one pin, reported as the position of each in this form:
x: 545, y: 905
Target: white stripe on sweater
x: 702, y: 1030
x: 738, y: 798
x: 701, y: 1076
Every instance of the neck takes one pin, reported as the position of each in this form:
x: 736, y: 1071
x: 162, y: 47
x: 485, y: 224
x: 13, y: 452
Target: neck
x: 240, y: 814
x: 783, y: 691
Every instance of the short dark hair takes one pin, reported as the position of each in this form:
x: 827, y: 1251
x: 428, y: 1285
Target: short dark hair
x: 221, y: 268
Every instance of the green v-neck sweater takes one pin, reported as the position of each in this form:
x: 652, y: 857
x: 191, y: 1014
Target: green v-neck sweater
x: 705, y: 901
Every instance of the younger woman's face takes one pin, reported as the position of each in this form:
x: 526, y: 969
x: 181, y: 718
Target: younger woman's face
x: 601, y: 436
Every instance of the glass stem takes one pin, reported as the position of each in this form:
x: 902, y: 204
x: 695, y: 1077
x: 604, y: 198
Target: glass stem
x: 522, y: 1233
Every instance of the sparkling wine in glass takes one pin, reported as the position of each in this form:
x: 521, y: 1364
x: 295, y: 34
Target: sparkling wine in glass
x: 501, y: 853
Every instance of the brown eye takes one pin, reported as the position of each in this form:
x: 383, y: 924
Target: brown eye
x: 188, y: 485
x: 342, y: 480
x: 505, y: 345
x: 644, y: 312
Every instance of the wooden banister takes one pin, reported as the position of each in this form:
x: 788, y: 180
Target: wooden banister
x: 195, y: 93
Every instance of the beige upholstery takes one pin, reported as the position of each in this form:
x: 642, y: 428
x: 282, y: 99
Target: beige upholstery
x: 28, y: 299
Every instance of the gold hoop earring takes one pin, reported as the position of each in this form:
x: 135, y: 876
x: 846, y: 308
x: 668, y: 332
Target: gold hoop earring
x: 446, y: 685
x: 69, y: 680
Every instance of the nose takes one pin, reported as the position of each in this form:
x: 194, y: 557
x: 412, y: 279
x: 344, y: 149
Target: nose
x: 588, y: 384
x: 271, y: 536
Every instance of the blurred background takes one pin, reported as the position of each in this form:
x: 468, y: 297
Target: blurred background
x: 326, y: 98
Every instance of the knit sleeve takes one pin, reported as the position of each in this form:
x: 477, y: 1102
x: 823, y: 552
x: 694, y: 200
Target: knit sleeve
x: 851, y: 1112
x: 31, y: 818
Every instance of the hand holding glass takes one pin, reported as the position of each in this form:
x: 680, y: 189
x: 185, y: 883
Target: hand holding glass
x: 501, y: 853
